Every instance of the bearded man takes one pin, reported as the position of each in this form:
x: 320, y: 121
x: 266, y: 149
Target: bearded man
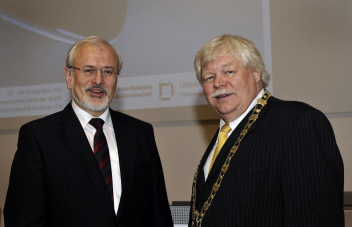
x: 87, y: 165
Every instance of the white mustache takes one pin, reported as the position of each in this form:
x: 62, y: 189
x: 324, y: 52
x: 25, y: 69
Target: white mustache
x: 221, y: 92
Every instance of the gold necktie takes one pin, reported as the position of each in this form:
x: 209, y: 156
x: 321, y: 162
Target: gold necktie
x: 223, y: 134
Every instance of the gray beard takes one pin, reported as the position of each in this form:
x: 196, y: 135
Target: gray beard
x: 88, y: 106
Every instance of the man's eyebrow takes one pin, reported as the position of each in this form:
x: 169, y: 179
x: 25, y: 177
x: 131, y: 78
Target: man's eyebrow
x: 228, y: 64
x: 92, y: 66
x: 89, y: 66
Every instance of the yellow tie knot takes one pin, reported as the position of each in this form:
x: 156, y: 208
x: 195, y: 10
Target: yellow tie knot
x: 225, y: 129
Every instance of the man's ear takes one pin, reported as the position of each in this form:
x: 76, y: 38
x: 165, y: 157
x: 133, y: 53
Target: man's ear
x: 257, y: 76
x: 68, y: 77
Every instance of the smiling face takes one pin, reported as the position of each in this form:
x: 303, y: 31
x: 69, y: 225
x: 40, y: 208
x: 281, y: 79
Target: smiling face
x: 229, y: 86
x: 92, y: 93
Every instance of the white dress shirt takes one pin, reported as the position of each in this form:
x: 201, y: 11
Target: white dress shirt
x: 233, y: 125
x: 84, y: 118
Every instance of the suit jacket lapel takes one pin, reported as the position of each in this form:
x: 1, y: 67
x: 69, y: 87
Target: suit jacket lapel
x: 77, y: 142
x: 206, y: 154
x: 206, y: 188
x: 202, y: 192
x: 126, y: 145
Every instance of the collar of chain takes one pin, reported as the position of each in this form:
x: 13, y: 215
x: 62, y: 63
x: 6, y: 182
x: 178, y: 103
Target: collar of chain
x: 197, y: 216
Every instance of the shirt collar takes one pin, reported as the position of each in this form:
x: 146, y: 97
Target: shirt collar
x: 234, y: 123
x: 84, y: 117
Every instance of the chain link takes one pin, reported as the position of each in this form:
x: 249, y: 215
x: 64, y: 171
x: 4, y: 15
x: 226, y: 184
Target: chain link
x: 197, y: 217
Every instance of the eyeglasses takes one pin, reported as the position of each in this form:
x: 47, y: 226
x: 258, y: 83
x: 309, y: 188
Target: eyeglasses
x: 90, y: 71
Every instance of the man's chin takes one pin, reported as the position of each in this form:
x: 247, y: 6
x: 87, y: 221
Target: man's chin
x: 224, y: 111
x: 92, y: 104
x: 95, y: 107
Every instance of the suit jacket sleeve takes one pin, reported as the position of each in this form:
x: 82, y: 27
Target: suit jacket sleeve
x: 312, y: 174
x: 161, y: 216
x: 25, y: 201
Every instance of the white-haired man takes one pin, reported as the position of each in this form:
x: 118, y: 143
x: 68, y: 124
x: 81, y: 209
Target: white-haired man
x: 272, y: 163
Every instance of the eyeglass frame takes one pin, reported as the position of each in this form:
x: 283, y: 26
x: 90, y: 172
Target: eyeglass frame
x: 95, y: 71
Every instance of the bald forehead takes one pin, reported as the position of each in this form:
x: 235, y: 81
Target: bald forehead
x: 89, y: 48
x: 97, y: 46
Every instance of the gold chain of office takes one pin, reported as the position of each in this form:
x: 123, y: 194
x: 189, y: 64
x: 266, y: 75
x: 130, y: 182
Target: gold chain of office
x: 197, y: 217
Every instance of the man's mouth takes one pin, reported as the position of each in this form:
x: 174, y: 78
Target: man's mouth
x: 97, y: 92
x: 222, y: 95
x: 219, y: 94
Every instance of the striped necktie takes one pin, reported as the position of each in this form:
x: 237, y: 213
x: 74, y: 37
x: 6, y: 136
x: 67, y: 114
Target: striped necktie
x: 101, y: 152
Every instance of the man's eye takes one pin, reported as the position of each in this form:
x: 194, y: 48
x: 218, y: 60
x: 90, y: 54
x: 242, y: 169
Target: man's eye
x: 230, y: 72
x: 108, y: 72
x: 89, y: 71
x: 208, y: 78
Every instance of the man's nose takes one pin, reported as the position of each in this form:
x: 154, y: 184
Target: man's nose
x: 219, y: 80
x: 99, y: 77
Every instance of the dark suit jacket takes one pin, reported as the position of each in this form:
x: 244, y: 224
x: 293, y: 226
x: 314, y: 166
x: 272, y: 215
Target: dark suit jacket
x: 55, y: 180
x: 287, y: 172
